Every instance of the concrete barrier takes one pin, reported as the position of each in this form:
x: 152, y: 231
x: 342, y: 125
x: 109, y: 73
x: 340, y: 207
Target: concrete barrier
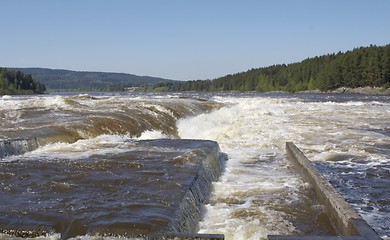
x: 346, y: 221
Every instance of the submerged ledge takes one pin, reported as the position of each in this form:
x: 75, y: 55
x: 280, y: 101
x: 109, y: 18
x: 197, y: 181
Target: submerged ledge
x: 186, y: 167
x: 17, y: 146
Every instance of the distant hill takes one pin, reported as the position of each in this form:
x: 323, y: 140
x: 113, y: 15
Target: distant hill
x: 65, y: 80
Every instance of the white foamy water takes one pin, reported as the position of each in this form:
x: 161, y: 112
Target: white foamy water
x: 253, y: 131
x: 81, y: 149
x: 348, y: 137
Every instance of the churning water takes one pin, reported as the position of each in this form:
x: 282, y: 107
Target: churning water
x: 347, y: 136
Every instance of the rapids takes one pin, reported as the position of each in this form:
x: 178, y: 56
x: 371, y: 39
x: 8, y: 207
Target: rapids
x: 68, y: 118
x: 347, y: 136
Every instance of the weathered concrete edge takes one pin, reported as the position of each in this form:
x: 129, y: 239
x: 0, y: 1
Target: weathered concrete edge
x: 345, y: 219
x: 198, y: 193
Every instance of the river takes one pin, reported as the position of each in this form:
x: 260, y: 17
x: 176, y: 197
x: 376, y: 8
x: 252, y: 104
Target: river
x: 346, y: 136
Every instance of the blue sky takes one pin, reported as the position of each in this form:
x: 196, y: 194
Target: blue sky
x: 183, y: 39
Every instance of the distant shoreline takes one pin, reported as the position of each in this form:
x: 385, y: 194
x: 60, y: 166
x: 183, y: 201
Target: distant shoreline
x: 369, y: 91
x: 373, y: 91
x: 362, y: 91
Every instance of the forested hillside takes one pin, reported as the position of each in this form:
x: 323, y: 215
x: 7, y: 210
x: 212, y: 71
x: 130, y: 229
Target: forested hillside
x: 361, y: 67
x: 65, y: 80
x: 16, y: 82
x: 365, y: 66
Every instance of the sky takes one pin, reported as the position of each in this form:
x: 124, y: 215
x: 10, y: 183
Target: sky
x: 184, y: 39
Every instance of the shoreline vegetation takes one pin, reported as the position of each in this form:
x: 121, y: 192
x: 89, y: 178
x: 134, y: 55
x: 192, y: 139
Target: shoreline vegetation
x: 364, y: 70
x: 18, y: 83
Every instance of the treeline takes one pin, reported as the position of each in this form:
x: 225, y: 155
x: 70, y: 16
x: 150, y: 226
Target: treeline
x: 16, y: 82
x: 361, y: 67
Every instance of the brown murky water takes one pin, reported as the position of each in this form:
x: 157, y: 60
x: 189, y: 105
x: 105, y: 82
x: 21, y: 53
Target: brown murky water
x: 133, y: 191
x: 76, y: 179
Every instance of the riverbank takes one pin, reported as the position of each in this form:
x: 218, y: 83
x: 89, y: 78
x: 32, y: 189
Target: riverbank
x: 364, y: 90
x: 360, y: 90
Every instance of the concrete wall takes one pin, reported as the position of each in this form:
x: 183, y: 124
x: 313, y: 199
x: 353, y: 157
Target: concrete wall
x: 345, y: 220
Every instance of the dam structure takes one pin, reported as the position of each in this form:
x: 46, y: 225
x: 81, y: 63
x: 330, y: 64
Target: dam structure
x: 148, y: 166
x: 153, y: 197
x: 348, y: 224
x: 165, y: 192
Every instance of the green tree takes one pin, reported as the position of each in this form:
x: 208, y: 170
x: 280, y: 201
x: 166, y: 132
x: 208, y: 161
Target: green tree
x: 386, y: 66
x: 364, y: 66
x: 16, y: 82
